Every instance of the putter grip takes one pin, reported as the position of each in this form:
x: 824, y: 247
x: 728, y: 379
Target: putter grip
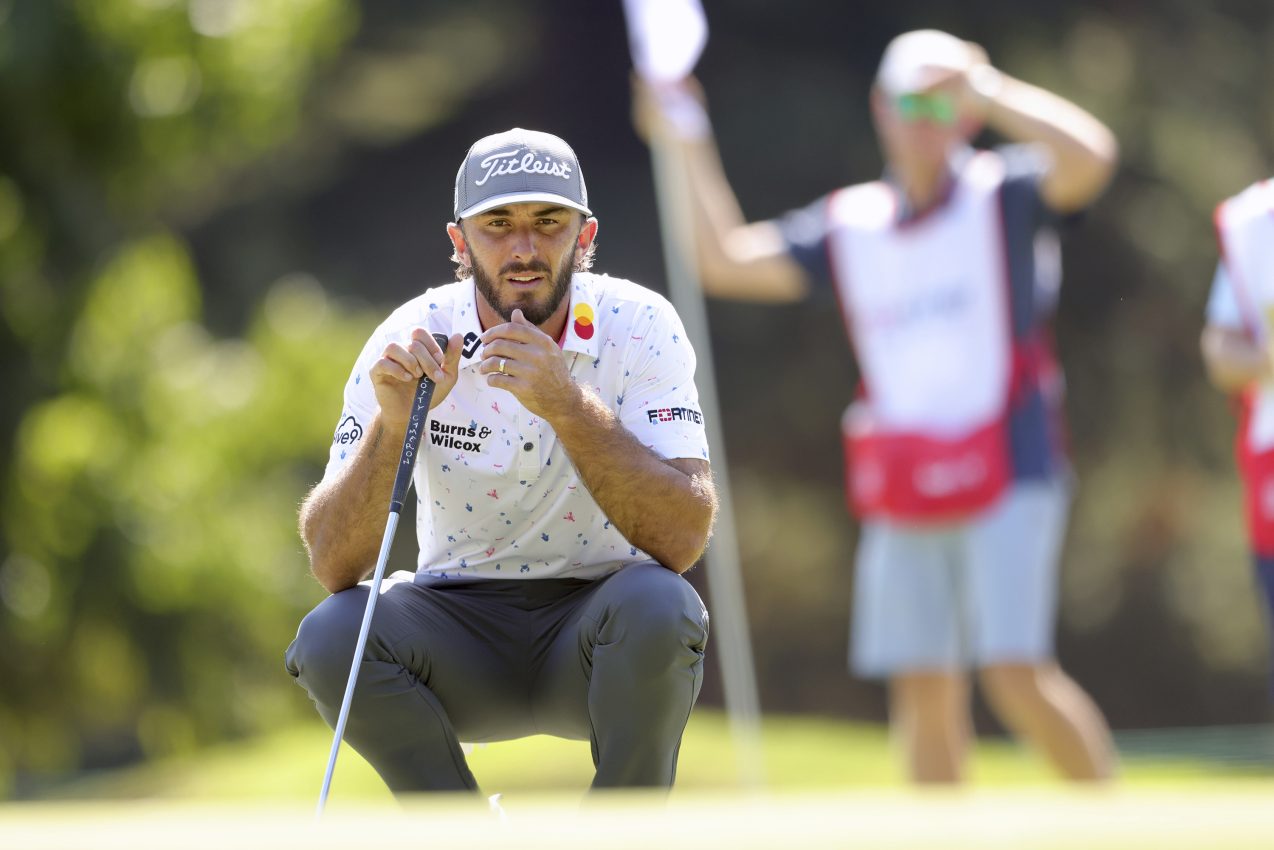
x: 415, y: 428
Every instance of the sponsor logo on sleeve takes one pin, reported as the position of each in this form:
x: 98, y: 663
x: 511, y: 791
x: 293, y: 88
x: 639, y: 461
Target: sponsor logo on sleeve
x: 350, y: 431
x: 674, y: 414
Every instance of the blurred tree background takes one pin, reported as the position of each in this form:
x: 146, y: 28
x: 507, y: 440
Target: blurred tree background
x: 206, y: 205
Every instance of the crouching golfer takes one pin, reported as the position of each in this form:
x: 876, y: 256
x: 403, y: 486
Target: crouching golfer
x: 562, y: 488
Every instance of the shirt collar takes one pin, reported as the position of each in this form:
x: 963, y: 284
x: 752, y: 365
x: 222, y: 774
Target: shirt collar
x: 580, y: 334
x: 957, y: 161
x: 464, y: 321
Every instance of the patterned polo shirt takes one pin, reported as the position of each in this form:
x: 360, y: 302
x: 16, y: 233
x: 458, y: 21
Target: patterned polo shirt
x: 497, y: 495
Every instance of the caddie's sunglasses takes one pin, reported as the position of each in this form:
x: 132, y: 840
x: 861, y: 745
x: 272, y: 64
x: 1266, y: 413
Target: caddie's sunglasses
x: 938, y: 108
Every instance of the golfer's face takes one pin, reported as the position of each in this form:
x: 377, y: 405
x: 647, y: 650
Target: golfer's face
x: 523, y: 256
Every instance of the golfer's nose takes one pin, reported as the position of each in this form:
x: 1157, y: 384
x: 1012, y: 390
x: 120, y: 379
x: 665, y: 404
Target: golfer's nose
x: 523, y: 244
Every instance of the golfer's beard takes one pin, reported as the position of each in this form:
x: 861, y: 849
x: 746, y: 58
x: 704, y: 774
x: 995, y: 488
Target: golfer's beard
x: 536, y: 312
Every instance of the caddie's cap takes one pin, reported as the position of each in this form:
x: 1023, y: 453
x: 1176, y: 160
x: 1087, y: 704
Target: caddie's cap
x: 516, y: 167
x: 916, y: 60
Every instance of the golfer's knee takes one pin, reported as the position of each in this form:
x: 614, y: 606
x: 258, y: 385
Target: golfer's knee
x: 659, y: 607
x: 323, y: 651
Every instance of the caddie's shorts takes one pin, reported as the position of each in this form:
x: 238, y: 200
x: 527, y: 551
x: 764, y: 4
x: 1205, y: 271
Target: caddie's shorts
x: 969, y: 594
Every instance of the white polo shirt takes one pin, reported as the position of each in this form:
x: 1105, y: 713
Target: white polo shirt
x: 497, y: 496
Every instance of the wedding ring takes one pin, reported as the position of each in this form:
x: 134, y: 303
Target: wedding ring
x: 502, y: 362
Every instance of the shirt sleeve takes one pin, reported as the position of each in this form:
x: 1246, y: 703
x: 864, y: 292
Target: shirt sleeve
x: 660, y: 405
x: 806, y: 231
x: 1025, y: 162
x: 358, y: 409
x: 1223, y: 305
x: 1024, y: 167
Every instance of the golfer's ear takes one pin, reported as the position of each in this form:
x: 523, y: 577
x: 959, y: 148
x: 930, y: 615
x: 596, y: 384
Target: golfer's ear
x: 458, y: 242
x: 587, y: 233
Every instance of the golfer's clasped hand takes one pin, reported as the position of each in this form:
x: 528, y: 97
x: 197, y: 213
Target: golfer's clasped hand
x: 399, y: 369
x: 519, y: 357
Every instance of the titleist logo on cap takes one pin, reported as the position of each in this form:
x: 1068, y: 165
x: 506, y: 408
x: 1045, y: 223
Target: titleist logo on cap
x: 508, y: 162
x: 519, y: 166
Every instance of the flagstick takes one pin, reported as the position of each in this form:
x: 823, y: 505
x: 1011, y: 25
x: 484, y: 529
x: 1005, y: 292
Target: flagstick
x: 725, y: 584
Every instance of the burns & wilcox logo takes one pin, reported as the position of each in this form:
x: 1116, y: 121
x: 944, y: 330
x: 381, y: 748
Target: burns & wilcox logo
x: 454, y: 436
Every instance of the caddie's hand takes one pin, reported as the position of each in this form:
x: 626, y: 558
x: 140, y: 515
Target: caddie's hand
x: 977, y: 54
x: 400, y: 367
x: 672, y: 111
x: 519, y: 357
x: 979, y: 84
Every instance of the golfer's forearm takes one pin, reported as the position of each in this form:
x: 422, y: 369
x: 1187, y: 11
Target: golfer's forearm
x: 662, y: 510
x: 343, y: 521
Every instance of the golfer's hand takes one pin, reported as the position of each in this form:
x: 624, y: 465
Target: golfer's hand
x: 400, y: 367
x: 534, y: 367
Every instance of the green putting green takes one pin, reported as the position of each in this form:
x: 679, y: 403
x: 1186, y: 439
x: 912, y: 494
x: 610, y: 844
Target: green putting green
x: 799, y: 753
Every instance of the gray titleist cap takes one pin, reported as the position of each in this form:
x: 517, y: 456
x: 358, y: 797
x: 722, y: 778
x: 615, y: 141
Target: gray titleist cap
x: 516, y: 167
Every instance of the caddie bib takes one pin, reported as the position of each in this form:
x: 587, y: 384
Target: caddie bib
x: 927, y: 307
x: 1245, y: 230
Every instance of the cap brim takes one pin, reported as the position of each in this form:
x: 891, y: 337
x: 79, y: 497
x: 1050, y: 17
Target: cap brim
x: 520, y: 198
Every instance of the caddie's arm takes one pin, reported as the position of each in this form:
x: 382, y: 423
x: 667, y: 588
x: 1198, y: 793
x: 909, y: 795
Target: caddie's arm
x: 342, y: 520
x: 1084, y: 152
x: 665, y: 507
x: 1234, y: 361
x: 735, y: 259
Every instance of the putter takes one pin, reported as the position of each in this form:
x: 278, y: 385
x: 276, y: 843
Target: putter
x: 402, y: 481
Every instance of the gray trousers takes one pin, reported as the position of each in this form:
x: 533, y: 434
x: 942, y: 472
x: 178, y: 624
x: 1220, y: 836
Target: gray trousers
x: 617, y: 661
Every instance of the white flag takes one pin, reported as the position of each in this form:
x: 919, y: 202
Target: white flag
x: 666, y: 37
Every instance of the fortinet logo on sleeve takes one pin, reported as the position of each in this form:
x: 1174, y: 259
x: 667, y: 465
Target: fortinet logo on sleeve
x: 674, y: 414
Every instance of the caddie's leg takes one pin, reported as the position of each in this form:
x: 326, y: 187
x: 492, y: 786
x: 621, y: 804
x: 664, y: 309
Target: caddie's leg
x: 421, y: 663
x: 1041, y: 704
x: 625, y: 671
x: 929, y: 717
x: 908, y: 627
x: 1014, y: 552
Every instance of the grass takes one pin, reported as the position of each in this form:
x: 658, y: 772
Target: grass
x: 801, y: 754
x: 829, y: 784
